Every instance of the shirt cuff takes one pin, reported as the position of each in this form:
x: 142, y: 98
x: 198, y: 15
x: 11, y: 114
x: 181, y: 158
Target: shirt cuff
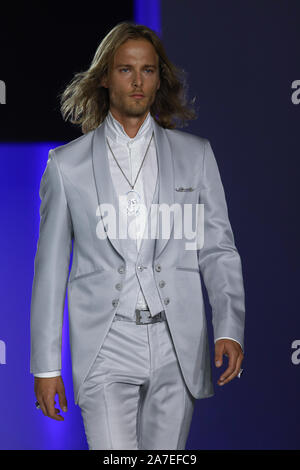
x: 53, y: 373
x: 226, y: 337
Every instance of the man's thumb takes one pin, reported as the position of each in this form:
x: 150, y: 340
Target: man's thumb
x: 218, y: 358
x: 62, y: 400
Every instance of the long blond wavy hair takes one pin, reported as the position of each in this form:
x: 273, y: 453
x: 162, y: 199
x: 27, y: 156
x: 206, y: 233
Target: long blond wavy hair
x: 85, y: 101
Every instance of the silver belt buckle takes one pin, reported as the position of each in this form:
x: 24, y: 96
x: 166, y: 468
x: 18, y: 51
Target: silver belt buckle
x: 139, y: 319
x: 138, y: 316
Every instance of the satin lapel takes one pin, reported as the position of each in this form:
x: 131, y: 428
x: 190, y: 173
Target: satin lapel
x: 104, y: 184
x: 166, y: 180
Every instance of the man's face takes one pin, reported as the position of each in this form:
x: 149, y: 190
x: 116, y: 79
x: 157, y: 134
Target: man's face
x: 134, y: 71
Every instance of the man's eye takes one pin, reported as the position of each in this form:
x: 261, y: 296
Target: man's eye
x: 126, y: 68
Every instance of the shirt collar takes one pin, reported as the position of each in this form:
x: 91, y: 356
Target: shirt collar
x: 115, y: 130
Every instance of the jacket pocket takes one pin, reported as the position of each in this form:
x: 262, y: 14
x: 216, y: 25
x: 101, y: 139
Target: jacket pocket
x: 196, y: 270
x: 81, y: 276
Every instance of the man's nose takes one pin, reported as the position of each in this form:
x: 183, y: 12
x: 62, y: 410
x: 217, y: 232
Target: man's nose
x: 137, y: 79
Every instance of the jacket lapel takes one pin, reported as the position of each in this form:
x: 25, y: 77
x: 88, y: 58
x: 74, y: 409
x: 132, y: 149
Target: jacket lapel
x: 104, y: 183
x: 166, y: 181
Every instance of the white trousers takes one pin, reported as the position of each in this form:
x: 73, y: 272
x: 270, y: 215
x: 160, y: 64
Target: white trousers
x: 134, y: 396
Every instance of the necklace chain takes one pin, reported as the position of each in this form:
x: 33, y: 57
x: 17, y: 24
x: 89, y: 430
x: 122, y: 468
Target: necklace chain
x: 132, y: 185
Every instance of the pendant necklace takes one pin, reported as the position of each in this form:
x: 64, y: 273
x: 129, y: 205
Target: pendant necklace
x: 133, y: 197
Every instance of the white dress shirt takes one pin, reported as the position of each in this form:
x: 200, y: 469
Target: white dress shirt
x: 129, y: 153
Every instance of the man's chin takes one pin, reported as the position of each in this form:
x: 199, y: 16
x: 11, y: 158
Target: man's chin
x: 136, y: 111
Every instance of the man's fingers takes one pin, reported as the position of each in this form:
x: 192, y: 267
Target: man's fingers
x: 235, y: 361
x: 237, y: 369
x: 51, y: 413
x: 231, y: 376
x: 57, y: 410
x: 42, y: 405
x: 233, y: 355
x: 48, y: 404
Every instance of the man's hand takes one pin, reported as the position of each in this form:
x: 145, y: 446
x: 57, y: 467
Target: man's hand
x: 45, y: 390
x: 233, y: 350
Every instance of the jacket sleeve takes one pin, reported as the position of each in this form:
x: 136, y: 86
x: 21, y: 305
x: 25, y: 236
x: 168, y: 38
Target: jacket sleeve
x: 219, y: 260
x: 51, y: 269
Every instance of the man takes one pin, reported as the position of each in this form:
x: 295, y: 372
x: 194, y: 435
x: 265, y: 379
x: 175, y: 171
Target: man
x: 138, y: 333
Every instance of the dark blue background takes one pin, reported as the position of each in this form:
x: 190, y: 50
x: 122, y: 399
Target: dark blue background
x: 241, y: 59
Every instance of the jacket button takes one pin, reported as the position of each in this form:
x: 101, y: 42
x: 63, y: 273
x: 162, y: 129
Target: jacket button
x: 140, y: 268
x: 115, y: 302
x: 118, y: 286
x: 161, y: 283
x: 158, y: 268
x: 166, y: 300
x: 121, y: 269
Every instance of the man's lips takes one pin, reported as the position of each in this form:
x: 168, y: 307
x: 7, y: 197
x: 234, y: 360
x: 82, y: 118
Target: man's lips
x: 137, y: 95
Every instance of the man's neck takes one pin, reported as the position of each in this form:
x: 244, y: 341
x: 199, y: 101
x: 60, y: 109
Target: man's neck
x: 131, y: 124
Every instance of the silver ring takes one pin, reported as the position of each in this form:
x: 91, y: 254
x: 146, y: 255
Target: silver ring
x: 240, y: 373
x: 37, y: 405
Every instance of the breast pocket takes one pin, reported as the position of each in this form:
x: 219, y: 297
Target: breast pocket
x: 187, y: 194
x: 187, y: 189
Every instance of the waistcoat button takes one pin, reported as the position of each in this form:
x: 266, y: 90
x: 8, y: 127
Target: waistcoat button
x: 166, y: 300
x: 115, y: 302
x: 118, y: 286
x: 121, y: 269
x: 162, y: 283
x: 158, y: 267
